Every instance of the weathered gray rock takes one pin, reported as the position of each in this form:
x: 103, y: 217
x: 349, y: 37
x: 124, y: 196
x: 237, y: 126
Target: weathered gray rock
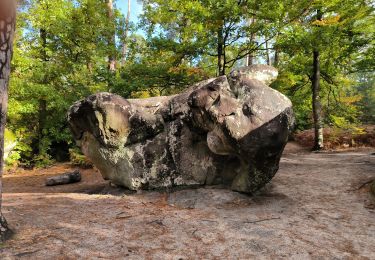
x: 229, y: 130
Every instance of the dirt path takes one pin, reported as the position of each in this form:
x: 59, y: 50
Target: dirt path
x: 315, y: 208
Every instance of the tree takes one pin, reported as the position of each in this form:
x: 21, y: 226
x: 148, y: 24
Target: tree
x: 196, y: 30
x: 111, y: 37
x: 67, y: 60
x: 322, y: 49
x: 152, y: 71
x: 60, y: 57
x: 126, y: 33
x: 7, y: 27
x: 205, y: 30
x: 316, y: 104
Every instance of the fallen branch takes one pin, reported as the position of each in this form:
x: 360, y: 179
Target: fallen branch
x: 120, y: 216
x: 70, y: 177
x: 261, y: 220
x: 26, y: 253
x: 157, y: 221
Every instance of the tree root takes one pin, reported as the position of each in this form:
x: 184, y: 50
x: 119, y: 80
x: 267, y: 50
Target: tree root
x: 5, y: 231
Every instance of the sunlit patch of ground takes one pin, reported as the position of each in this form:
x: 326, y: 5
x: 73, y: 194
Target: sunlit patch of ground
x: 318, y: 206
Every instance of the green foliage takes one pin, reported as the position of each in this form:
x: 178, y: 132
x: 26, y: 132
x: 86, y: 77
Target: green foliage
x: 62, y: 49
x: 159, y: 78
x: 10, y: 141
x: 61, y: 65
x: 61, y: 56
x: 9, y: 138
x: 345, y: 31
x: 365, y: 86
x: 194, y: 30
x: 78, y: 159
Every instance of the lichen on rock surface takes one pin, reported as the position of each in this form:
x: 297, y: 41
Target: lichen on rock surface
x: 229, y: 130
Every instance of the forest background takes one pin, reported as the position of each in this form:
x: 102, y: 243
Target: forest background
x: 66, y: 50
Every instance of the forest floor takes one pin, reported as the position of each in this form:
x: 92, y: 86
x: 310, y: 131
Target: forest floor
x: 318, y: 206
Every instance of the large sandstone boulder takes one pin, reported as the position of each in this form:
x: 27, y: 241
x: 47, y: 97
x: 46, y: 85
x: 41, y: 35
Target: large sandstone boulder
x: 228, y: 130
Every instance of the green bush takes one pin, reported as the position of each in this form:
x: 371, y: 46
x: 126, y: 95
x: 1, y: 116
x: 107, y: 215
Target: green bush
x: 78, y: 159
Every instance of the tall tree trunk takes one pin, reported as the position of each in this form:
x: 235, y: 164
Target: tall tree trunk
x: 7, y: 27
x: 42, y: 119
x: 126, y: 32
x: 316, y: 103
x: 42, y: 111
x: 268, y: 55
x: 250, y: 56
x: 276, y: 58
x: 111, y: 38
x: 220, y: 52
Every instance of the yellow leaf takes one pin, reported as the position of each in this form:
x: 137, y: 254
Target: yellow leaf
x: 327, y: 21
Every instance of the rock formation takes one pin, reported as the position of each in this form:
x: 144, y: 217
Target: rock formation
x: 228, y: 130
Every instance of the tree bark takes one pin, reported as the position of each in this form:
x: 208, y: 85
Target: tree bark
x: 220, y: 52
x: 276, y: 58
x: 111, y: 38
x: 250, y: 56
x: 268, y: 55
x: 316, y: 103
x: 42, y: 118
x: 42, y: 111
x: 126, y: 32
x: 7, y: 27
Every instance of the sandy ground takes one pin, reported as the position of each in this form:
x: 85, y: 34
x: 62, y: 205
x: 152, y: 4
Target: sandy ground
x: 317, y: 207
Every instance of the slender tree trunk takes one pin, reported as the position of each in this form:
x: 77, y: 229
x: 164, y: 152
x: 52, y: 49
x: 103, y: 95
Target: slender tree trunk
x: 42, y: 119
x: 268, y: 55
x: 7, y: 27
x: 224, y: 59
x: 42, y: 111
x: 316, y: 103
x: 89, y: 66
x: 126, y: 32
x: 250, y: 56
x: 111, y: 38
x: 220, y: 52
x: 250, y: 59
x: 276, y: 58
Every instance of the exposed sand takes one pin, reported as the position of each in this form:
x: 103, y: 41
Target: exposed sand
x: 316, y: 207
